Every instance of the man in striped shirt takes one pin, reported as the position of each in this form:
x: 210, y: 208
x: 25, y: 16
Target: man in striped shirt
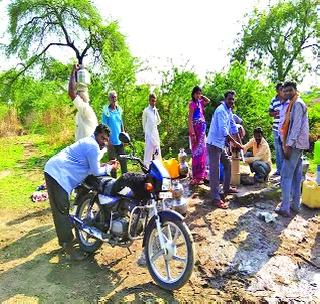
x: 274, y: 111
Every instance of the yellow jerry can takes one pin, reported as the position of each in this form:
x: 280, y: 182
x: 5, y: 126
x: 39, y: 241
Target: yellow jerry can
x: 311, y: 194
x: 172, y: 165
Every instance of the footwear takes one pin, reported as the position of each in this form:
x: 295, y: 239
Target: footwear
x: 282, y: 212
x: 74, y: 254
x: 221, y: 204
x: 195, y: 182
x: 232, y: 190
x: 295, y: 209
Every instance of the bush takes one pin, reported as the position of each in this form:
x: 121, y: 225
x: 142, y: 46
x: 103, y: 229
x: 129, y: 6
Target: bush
x: 312, y: 100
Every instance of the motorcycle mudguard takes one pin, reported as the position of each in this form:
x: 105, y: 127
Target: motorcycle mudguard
x: 164, y: 215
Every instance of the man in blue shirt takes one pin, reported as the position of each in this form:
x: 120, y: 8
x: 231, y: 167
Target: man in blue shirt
x: 112, y: 117
x: 222, y: 124
x: 65, y: 171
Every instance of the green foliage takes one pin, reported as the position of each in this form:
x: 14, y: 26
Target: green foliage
x: 3, y: 110
x: 312, y: 100
x: 173, y: 104
x: 275, y: 38
x: 35, y: 26
x: 252, y: 98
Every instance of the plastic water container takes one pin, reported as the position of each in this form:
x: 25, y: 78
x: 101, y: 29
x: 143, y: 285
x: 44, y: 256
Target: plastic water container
x: 318, y: 175
x: 83, y: 77
x: 221, y: 177
x: 311, y: 194
x: 172, y: 166
x: 316, y: 152
x: 221, y: 170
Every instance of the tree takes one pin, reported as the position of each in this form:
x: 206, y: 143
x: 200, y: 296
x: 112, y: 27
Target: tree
x: 173, y: 104
x: 276, y: 38
x: 252, y: 98
x: 35, y: 26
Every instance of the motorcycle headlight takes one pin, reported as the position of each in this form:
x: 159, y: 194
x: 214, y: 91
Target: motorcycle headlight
x: 166, y: 184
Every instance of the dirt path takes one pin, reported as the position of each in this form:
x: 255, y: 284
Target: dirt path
x: 239, y: 257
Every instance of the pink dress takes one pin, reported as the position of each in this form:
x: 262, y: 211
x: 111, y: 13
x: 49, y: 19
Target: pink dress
x: 198, y: 148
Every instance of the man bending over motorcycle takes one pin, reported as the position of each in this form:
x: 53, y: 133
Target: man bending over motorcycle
x: 65, y: 171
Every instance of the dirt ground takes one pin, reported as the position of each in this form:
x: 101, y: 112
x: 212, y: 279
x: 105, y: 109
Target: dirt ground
x: 240, y: 258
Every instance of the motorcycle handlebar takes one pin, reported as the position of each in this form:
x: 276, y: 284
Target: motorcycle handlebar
x: 134, y: 158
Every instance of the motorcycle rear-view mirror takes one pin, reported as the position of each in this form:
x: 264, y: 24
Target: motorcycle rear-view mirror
x: 124, y: 138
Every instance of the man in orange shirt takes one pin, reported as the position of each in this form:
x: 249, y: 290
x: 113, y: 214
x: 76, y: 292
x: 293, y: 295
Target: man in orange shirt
x: 260, y: 158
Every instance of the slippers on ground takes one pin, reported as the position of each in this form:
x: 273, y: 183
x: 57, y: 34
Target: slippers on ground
x: 221, y: 204
x: 195, y: 182
x: 282, y: 212
x: 232, y: 190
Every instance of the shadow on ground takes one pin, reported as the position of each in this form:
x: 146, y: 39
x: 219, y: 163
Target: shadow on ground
x: 27, y: 244
x: 29, y: 216
x: 51, y: 278
x: 142, y: 293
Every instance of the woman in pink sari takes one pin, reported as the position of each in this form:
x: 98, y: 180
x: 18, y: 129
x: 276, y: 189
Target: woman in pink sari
x: 197, y: 133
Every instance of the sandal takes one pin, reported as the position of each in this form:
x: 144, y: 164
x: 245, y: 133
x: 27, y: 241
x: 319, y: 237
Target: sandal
x: 195, y: 182
x: 221, y: 204
x: 232, y: 190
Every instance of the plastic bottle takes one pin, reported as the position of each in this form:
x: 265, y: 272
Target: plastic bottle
x: 83, y: 76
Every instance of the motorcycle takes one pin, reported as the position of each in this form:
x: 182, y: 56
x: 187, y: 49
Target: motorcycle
x: 137, y: 211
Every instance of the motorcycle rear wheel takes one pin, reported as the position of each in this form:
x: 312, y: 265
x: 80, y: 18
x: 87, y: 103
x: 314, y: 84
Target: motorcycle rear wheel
x: 89, y: 210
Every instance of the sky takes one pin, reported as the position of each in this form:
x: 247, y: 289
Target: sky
x: 195, y: 34
x: 198, y: 34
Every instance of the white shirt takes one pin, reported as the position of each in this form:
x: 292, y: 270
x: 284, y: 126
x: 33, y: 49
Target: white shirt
x: 150, y: 121
x: 86, y: 119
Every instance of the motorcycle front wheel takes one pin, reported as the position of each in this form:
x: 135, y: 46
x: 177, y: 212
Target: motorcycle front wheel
x: 172, y: 267
x: 90, y: 212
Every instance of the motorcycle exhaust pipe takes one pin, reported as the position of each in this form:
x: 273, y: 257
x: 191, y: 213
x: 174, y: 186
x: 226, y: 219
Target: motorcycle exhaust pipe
x: 93, y: 231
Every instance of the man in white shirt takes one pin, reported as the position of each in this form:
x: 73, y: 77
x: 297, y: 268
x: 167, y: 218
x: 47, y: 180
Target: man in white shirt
x: 150, y: 122
x: 86, y: 119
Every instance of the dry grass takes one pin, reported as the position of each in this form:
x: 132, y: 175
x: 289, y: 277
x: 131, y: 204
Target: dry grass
x: 10, y: 124
x: 58, y: 124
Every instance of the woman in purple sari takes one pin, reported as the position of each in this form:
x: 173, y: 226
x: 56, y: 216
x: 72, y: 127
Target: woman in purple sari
x: 197, y: 133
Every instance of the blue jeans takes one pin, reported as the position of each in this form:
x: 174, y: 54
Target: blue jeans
x: 291, y: 175
x: 278, y: 151
x: 260, y: 168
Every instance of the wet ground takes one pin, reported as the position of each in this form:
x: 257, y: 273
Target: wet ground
x: 246, y: 253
